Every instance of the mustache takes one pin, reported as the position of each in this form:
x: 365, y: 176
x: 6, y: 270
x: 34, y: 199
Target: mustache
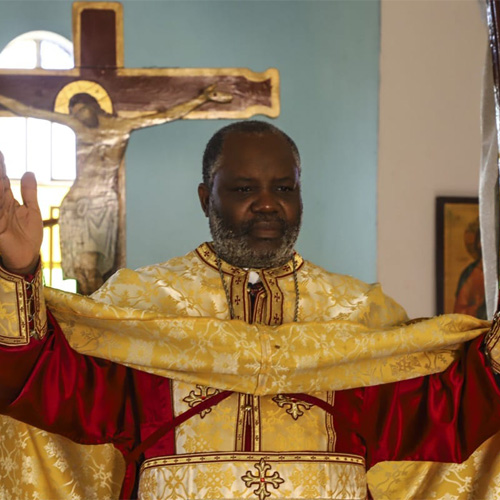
x: 274, y: 219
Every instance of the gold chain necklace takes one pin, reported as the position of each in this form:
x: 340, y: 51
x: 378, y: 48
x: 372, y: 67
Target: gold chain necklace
x: 228, y: 296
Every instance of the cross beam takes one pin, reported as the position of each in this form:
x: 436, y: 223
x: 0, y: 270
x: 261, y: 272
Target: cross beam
x: 98, y: 49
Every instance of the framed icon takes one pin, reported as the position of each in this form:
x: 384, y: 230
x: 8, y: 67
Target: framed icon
x: 459, y: 267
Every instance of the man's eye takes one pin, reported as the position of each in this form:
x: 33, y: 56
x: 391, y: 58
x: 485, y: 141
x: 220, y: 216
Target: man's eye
x: 285, y: 189
x: 243, y: 189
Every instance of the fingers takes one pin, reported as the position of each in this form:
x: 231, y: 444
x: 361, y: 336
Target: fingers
x: 29, y: 190
x: 7, y: 201
x: 28, y: 187
x: 4, y: 182
x: 3, y: 170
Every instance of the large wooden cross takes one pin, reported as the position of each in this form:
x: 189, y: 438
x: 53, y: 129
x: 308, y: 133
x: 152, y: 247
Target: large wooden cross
x: 130, y: 93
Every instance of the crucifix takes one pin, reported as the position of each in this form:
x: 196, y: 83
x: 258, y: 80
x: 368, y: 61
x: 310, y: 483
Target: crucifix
x: 103, y: 102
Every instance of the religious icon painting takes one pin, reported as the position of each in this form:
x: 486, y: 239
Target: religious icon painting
x: 459, y: 267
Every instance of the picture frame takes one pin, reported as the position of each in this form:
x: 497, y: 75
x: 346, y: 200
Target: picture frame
x: 459, y: 272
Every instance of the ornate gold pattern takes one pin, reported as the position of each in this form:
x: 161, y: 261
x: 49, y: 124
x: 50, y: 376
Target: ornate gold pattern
x: 196, y: 396
x: 478, y: 478
x: 223, y: 475
x: 37, y: 311
x: 262, y: 479
x: 206, y: 254
x: 269, y: 302
x: 36, y: 465
x: 22, y: 308
x: 364, y: 347
x: 330, y: 423
x: 198, y: 433
x: 248, y: 421
x: 281, y: 457
x: 294, y: 407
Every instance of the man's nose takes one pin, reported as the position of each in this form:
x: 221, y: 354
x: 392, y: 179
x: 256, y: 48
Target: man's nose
x: 265, y: 201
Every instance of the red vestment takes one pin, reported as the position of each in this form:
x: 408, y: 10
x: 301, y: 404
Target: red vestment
x: 442, y: 417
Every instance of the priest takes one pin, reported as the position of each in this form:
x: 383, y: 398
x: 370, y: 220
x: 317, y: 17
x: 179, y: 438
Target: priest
x: 240, y: 370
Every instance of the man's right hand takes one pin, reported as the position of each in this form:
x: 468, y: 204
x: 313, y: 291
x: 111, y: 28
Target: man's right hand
x: 21, y: 226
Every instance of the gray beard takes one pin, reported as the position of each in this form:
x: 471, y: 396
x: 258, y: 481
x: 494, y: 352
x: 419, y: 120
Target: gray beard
x: 231, y: 245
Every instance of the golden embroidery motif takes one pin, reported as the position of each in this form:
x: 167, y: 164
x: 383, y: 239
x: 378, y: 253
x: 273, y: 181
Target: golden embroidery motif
x: 206, y: 476
x: 330, y: 423
x: 293, y: 405
x: 248, y: 430
x: 262, y: 480
x: 269, y: 307
x: 22, y: 308
x: 201, y: 393
x: 14, y: 329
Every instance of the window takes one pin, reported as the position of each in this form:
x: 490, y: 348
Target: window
x: 40, y: 146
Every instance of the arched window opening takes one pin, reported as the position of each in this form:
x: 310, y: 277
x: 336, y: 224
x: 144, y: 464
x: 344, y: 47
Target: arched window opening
x: 40, y: 146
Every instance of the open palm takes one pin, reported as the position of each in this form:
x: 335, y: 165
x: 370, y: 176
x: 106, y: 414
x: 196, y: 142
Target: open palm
x: 21, y: 226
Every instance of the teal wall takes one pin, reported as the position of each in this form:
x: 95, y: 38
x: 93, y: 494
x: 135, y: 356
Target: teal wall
x: 327, y: 54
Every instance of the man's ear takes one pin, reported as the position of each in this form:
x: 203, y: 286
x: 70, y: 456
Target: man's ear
x: 204, y: 195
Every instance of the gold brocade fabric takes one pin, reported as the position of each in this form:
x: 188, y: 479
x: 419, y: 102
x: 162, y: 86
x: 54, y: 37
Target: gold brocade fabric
x: 478, y: 478
x: 272, y: 475
x: 36, y: 465
x: 160, y: 318
x: 16, y: 309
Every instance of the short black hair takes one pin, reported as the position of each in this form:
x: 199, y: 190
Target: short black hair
x: 214, y: 146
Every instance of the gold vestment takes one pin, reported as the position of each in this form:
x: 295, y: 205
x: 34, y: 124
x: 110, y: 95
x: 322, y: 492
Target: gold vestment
x: 349, y: 334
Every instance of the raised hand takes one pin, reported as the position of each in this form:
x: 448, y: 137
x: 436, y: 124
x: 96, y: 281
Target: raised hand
x: 21, y: 226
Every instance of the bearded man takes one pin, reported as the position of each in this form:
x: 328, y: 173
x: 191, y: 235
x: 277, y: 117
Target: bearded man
x: 245, y: 361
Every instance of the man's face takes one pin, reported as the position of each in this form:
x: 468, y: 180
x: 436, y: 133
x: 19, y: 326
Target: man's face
x: 86, y: 114
x: 254, y: 206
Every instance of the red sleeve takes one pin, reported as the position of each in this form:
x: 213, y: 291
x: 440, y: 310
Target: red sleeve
x: 442, y: 417
x: 50, y: 386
